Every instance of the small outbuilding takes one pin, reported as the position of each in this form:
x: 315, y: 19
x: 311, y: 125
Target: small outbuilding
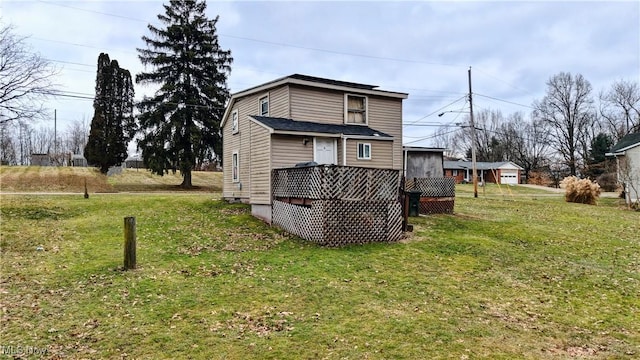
x: 422, y: 162
x: 78, y: 160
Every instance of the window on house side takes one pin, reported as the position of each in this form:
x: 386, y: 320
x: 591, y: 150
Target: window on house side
x: 364, y: 151
x: 356, y: 109
x: 234, y: 122
x: 264, y: 106
x: 235, y: 167
x: 455, y: 172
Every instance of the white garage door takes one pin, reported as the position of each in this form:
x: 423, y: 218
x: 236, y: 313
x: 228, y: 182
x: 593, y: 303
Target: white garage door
x: 509, y: 177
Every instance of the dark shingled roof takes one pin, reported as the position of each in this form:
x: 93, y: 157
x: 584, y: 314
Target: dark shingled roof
x: 626, y: 141
x: 284, y: 124
x: 332, y: 82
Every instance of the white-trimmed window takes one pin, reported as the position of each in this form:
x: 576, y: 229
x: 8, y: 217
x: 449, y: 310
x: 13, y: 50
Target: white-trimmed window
x: 264, y: 106
x: 364, y: 151
x: 234, y: 122
x: 355, y: 111
x: 454, y: 172
x: 235, y: 167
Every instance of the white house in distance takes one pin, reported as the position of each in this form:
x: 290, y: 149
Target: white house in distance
x: 298, y: 119
x: 627, y: 154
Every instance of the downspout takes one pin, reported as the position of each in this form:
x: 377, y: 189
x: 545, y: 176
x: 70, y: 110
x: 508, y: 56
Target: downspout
x: 344, y: 150
x: 404, y: 163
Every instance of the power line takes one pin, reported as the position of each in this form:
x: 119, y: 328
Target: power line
x: 92, y: 11
x: 503, y: 81
x: 69, y: 62
x: 505, y: 101
x: 430, y: 137
x: 273, y: 42
x: 79, y: 45
x: 444, y: 107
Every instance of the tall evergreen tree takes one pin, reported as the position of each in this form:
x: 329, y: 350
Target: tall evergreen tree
x: 181, y: 122
x: 113, y: 124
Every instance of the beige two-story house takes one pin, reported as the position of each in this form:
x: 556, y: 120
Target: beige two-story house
x: 304, y: 119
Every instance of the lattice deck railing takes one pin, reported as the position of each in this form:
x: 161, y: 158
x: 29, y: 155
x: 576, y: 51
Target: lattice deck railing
x: 332, y: 182
x: 338, y: 205
x: 437, y: 194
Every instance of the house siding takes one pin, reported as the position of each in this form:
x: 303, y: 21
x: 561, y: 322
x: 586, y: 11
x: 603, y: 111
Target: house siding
x: 287, y: 151
x: 259, y: 168
x: 380, y: 153
x: 327, y: 106
x: 318, y: 105
x: 632, y: 159
x: 385, y: 114
x: 249, y: 148
x: 240, y: 142
x: 232, y: 143
x: 279, y: 102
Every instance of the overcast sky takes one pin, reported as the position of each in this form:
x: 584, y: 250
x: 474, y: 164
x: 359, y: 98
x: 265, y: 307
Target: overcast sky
x: 421, y: 48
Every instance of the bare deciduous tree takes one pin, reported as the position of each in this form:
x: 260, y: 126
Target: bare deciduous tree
x: 568, y: 109
x: 25, y: 79
x: 488, y: 143
x: 526, y: 143
x: 445, y: 138
x: 76, y: 136
x: 620, y: 108
x: 8, y: 155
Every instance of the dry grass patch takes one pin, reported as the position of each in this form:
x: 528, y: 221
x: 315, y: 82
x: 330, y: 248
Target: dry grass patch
x: 52, y: 179
x: 72, y: 180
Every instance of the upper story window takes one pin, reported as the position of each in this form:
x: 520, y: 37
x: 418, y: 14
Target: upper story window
x: 264, y: 106
x: 234, y: 122
x: 356, y: 109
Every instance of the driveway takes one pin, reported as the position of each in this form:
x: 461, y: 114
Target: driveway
x: 561, y: 191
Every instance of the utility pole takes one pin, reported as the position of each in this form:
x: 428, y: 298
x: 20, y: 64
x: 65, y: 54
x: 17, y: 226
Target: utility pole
x: 473, y: 141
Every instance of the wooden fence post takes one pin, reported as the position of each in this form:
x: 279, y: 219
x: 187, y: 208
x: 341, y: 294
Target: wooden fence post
x: 129, y: 243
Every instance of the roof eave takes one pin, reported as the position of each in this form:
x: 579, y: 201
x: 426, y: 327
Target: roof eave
x: 622, y: 150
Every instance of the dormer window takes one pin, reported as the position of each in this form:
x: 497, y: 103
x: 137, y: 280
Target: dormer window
x: 355, y: 109
x: 234, y: 122
x: 264, y: 106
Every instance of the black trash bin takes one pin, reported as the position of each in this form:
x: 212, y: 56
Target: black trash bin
x: 414, y: 202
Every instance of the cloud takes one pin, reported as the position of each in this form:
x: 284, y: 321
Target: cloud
x: 422, y: 48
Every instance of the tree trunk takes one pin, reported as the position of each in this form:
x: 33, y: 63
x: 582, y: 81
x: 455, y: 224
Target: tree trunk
x: 186, y: 180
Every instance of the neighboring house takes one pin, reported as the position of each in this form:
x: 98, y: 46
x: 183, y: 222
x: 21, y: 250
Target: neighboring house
x: 627, y: 154
x: 504, y: 172
x: 298, y: 119
x: 422, y: 162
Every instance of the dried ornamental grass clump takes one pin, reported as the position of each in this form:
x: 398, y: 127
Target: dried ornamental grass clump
x: 580, y: 191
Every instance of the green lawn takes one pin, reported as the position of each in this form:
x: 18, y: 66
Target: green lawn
x: 522, y: 277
